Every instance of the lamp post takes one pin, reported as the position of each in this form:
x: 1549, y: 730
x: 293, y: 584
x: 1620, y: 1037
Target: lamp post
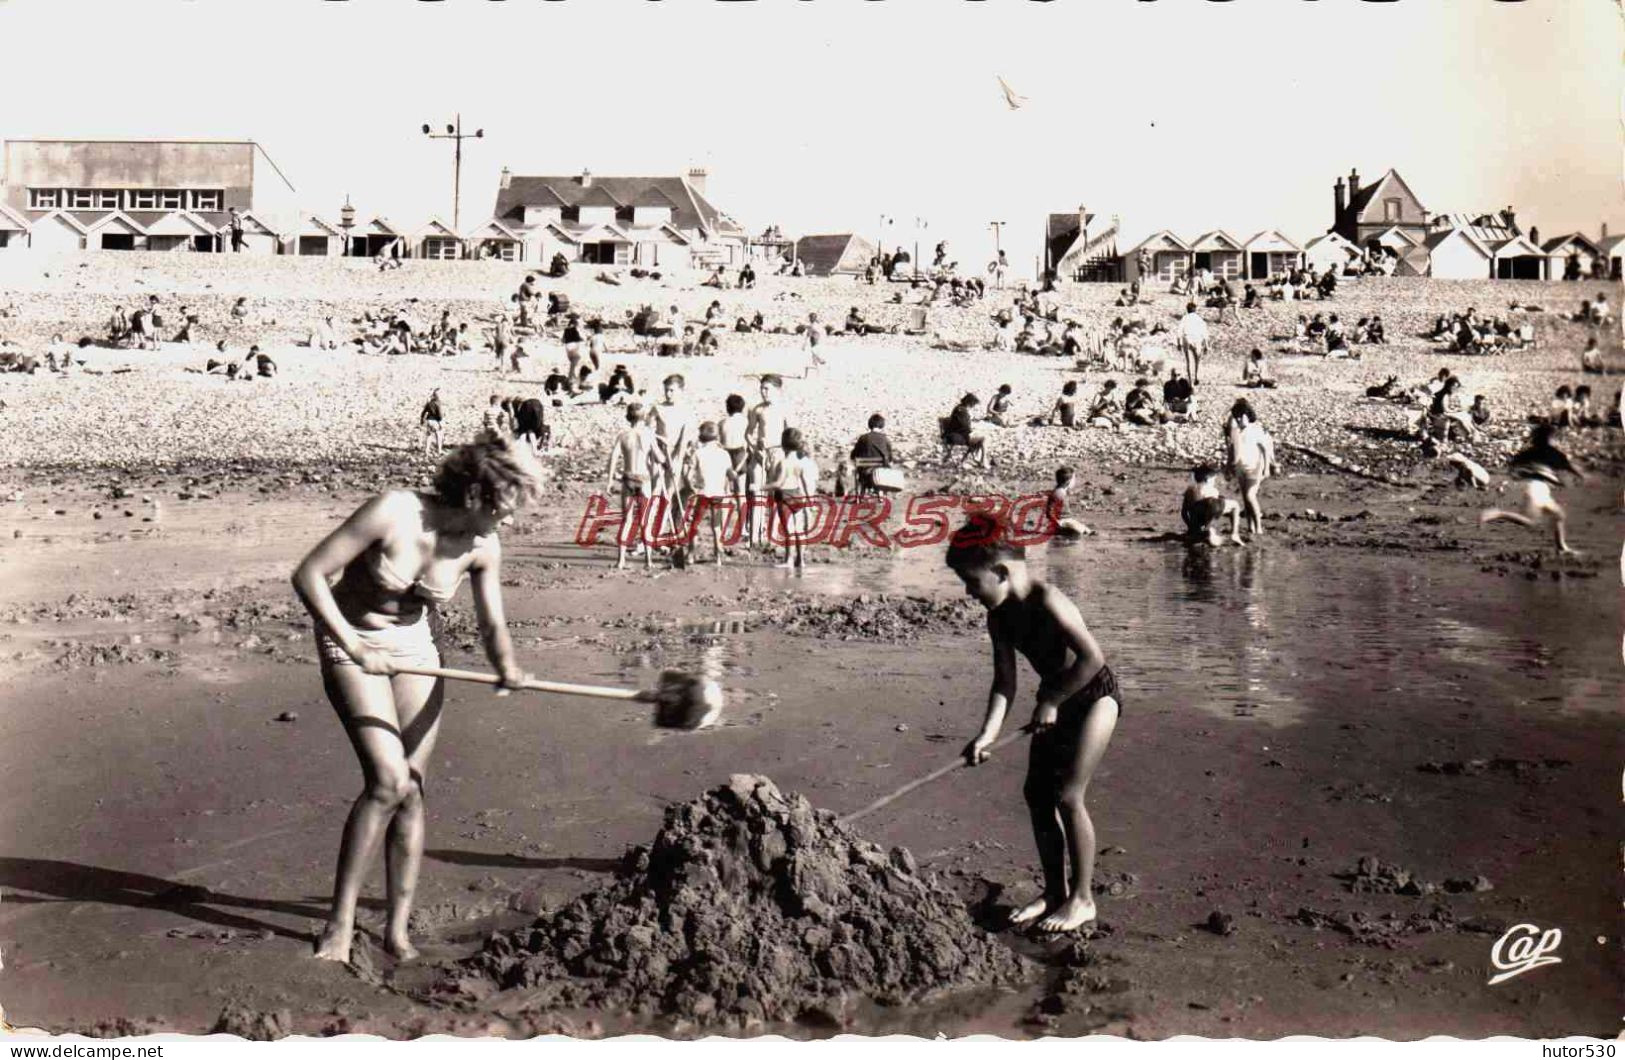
x: 920, y: 224
x: 347, y: 222
x: 455, y: 133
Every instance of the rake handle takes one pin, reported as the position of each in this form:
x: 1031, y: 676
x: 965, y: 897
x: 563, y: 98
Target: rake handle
x: 476, y: 676
x: 934, y: 775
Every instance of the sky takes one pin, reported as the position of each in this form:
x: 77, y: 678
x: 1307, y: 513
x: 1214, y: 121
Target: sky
x: 828, y: 115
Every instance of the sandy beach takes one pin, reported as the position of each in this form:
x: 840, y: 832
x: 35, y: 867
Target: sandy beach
x: 1325, y: 830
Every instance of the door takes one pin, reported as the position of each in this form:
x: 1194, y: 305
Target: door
x: 118, y: 241
x: 1261, y: 266
x: 313, y: 246
x: 1204, y: 261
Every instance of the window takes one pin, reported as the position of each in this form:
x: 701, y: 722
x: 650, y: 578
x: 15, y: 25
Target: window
x: 81, y: 199
x: 171, y: 200
x: 109, y: 200
x: 43, y: 199
x: 1390, y: 210
x: 443, y: 249
x: 213, y: 199
x: 143, y: 200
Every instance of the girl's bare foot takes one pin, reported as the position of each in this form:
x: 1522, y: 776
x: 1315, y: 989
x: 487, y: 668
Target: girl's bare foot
x: 402, y: 949
x: 334, y: 945
x: 1029, y: 912
x: 1071, y: 915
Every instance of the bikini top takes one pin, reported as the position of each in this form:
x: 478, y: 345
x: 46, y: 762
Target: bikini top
x: 389, y: 579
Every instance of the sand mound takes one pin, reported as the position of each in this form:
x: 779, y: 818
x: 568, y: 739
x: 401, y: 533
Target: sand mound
x: 750, y: 905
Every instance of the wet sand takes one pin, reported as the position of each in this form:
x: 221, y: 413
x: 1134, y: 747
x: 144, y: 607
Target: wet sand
x: 1382, y: 678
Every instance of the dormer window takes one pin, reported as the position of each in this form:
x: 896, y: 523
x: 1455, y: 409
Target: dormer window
x: 1391, y: 210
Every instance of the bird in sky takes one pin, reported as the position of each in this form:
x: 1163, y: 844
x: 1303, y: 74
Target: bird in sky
x: 1015, y: 101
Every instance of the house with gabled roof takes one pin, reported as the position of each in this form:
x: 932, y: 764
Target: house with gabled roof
x: 179, y: 230
x: 315, y: 237
x: 56, y: 230
x: 437, y: 240
x: 1572, y: 256
x: 1165, y: 255
x: 1219, y: 252
x: 1517, y: 258
x: 495, y: 240
x: 376, y: 236
x: 1269, y: 253
x: 13, y: 229
x: 644, y: 220
x: 1076, y: 249
x: 1330, y: 251
x: 115, y: 230
x: 1458, y: 254
x: 1363, y: 211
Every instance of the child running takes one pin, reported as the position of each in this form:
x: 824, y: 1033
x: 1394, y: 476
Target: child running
x: 1073, y: 719
x: 1539, y: 467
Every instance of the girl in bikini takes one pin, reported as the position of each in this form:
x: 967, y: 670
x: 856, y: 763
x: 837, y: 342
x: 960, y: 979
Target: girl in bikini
x: 370, y: 586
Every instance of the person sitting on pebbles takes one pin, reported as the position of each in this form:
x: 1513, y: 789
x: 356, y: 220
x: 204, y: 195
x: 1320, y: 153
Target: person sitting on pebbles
x: 1140, y: 406
x: 1203, y: 506
x: 1073, y: 720
x: 1106, y: 410
x: 1178, y: 397
x: 1254, y: 372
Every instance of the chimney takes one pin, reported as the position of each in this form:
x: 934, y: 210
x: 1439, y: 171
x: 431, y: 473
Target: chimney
x: 696, y: 178
x: 1337, y: 198
x: 1354, y: 184
x: 586, y: 178
x: 1510, y: 216
x: 1534, y: 236
x: 1604, y: 237
x: 507, y: 178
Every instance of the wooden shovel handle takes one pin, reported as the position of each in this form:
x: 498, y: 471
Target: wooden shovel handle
x: 595, y: 691
x: 937, y: 774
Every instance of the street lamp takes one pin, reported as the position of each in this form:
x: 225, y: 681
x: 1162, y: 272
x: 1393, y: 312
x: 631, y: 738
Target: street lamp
x: 347, y: 222
x: 455, y: 133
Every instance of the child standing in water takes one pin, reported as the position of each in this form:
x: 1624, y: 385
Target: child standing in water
x: 1073, y: 719
x: 1539, y: 467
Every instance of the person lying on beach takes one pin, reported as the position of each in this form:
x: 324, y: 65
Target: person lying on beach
x: 1254, y: 373
x: 369, y: 587
x: 1539, y: 467
x: 1076, y: 710
x: 1060, y: 524
x: 1203, y: 506
x: 262, y: 364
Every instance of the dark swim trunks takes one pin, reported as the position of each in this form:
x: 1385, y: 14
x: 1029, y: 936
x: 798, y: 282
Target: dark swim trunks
x: 1053, y: 752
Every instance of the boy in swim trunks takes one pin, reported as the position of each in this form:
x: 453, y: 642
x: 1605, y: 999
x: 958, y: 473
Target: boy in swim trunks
x: 1203, y: 506
x: 631, y: 462
x: 1060, y: 524
x: 764, y: 431
x: 1539, y: 467
x: 1076, y: 711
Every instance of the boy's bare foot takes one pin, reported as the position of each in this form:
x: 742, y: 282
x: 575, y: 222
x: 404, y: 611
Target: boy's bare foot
x: 1029, y: 912
x: 1565, y: 550
x: 1071, y: 915
x: 334, y: 944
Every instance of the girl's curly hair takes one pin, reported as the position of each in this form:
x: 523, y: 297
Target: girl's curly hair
x: 487, y: 468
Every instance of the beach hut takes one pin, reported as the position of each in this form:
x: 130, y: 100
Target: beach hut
x: 115, y: 230
x: 177, y: 230
x: 1219, y: 252
x: 1518, y: 259
x: 1166, y: 256
x: 495, y: 240
x: 13, y: 229
x: 605, y: 244
x: 1269, y: 253
x: 1330, y: 252
x: 373, y: 238
x: 1612, y: 249
x: 316, y: 238
x: 1562, y: 249
x: 844, y: 254
x: 662, y: 247
x: 436, y: 240
x: 1457, y: 254
x: 56, y: 231
x: 551, y: 238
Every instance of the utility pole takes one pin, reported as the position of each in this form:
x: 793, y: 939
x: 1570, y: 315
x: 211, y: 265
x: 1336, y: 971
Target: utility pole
x: 455, y: 133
